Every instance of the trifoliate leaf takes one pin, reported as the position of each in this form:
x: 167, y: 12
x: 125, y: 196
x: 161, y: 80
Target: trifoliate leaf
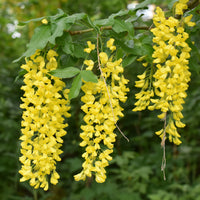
x: 128, y: 60
x: 68, y: 72
x: 89, y: 76
x: 76, y: 86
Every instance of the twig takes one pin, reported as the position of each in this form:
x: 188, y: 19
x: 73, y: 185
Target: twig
x: 102, y: 28
x: 99, y: 65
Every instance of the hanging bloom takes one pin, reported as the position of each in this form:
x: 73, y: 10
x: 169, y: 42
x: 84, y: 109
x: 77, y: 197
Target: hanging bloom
x: 42, y: 120
x: 102, y: 110
x: 171, y: 54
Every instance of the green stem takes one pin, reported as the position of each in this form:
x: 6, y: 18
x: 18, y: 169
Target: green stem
x: 35, y: 194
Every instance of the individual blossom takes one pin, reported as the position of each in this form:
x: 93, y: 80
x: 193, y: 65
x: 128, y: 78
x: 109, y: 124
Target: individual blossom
x: 44, y: 21
x: 89, y: 63
x: 110, y: 45
x: 43, y: 120
x: 90, y: 47
x: 102, y: 110
x: 187, y: 20
x: 180, y: 6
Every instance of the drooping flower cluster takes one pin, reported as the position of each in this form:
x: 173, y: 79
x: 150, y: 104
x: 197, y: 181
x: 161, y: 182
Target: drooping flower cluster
x: 43, y: 117
x: 145, y: 83
x: 102, y: 110
x: 171, y: 54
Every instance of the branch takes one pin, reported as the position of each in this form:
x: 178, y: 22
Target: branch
x: 102, y: 29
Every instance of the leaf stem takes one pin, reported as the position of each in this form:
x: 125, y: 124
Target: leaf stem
x: 35, y: 194
x: 163, y: 165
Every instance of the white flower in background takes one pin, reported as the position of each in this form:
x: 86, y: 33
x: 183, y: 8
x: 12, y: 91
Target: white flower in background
x: 147, y: 14
x: 12, y: 29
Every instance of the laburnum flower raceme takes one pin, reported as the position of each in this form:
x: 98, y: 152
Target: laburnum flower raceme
x: 171, y: 54
x: 43, y: 120
x: 102, y: 110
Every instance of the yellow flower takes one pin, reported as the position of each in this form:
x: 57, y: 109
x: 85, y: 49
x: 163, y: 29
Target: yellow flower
x: 171, y: 54
x: 90, y: 47
x: 100, y: 117
x: 42, y: 124
x: 110, y: 45
x: 187, y: 20
x: 103, y: 58
x: 44, y: 21
x: 89, y: 63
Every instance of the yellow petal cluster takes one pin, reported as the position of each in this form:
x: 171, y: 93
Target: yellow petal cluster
x: 171, y: 54
x: 42, y: 120
x: 180, y: 6
x: 146, y: 93
x: 102, y: 110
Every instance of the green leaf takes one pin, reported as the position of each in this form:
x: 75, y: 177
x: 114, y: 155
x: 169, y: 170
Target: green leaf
x: 79, y: 51
x: 21, y: 73
x: 104, y: 22
x: 68, y: 72
x: 52, y: 18
x: 75, y: 17
x: 144, y: 4
x: 119, y: 26
x: 66, y: 43
x: 76, y: 86
x: 128, y: 60
x: 126, y: 48
x: 119, y: 14
x: 58, y: 28
x: 110, y: 20
x: 122, y: 26
x: 32, y: 20
x: 89, y: 76
x: 90, y: 23
x: 38, y: 41
x: 60, y: 13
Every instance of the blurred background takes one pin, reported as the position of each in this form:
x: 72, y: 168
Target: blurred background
x: 135, y: 171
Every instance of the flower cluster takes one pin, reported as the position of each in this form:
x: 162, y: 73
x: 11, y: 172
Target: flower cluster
x: 180, y: 6
x: 43, y: 117
x: 102, y: 110
x: 171, y: 54
x: 145, y: 83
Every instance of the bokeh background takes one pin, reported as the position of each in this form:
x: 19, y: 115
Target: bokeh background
x: 135, y: 172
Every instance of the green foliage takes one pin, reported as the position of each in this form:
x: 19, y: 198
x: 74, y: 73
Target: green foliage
x: 76, y: 86
x: 134, y: 172
x: 88, y: 76
x: 68, y: 72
